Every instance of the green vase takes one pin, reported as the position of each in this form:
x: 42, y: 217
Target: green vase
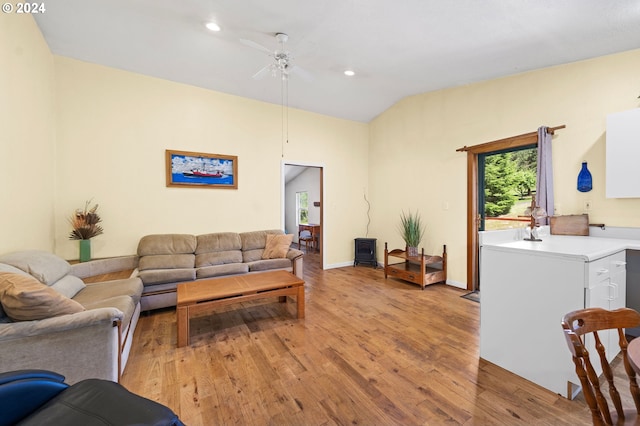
x: 85, y: 250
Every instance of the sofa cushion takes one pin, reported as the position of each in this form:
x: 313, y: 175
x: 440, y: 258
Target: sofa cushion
x: 8, y: 268
x: 131, y: 287
x: 218, y: 258
x: 167, y: 261
x: 218, y: 242
x: 68, y: 286
x: 253, y: 244
x: 123, y: 303
x: 252, y: 255
x: 256, y: 239
x: 167, y: 244
x: 265, y: 265
x: 159, y: 276
x: 25, y: 299
x: 219, y: 270
x: 218, y: 249
x: 277, y: 246
x: 44, y: 266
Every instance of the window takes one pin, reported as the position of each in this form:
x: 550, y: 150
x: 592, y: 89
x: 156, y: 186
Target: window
x: 302, y: 207
x: 507, y: 182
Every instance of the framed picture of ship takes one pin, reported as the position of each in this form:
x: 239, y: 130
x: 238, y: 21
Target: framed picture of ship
x: 196, y: 169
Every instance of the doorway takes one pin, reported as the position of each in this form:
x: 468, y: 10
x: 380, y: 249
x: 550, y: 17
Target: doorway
x: 302, y: 205
x: 473, y: 216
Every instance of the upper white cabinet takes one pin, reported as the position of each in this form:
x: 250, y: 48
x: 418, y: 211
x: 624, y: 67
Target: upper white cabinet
x: 623, y: 154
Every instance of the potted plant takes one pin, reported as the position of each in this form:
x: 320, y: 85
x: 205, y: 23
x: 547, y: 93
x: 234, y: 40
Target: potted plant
x: 411, y: 229
x: 85, y: 226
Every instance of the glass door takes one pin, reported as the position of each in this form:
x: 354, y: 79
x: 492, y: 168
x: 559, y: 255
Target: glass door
x: 506, y: 184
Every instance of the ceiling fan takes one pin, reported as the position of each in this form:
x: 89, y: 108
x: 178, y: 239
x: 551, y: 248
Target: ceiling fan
x: 282, y: 60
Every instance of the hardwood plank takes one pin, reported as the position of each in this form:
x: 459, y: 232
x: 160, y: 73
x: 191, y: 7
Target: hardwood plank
x: 370, y: 351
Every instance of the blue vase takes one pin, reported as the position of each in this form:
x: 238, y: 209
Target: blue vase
x: 584, y: 179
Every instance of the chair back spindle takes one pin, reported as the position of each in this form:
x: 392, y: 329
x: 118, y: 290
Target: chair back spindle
x: 576, y: 326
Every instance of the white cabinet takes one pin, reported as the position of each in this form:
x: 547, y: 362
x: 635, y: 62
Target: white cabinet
x: 607, y: 290
x: 525, y: 294
x: 523, y: 297
x: 622, y: 152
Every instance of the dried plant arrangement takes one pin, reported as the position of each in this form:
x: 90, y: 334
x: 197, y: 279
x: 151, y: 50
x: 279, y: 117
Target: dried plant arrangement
x: 85, y: 223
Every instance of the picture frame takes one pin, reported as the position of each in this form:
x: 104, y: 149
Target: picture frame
x: 200, y: 170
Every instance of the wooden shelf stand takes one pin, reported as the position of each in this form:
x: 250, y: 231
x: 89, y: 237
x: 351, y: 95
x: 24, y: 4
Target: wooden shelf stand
x: 423, y: 269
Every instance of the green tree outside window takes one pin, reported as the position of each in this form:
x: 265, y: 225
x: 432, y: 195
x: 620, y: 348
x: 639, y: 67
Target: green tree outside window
x: 303, y: 207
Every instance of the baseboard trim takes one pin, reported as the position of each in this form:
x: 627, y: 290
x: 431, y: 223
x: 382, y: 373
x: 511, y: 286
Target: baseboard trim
x: 338, y: 265
x: 458, y: 284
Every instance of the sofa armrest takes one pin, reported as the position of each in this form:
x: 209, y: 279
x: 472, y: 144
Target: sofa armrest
x: 78, y: 346
x: 90, y: 318
x: 298, y: 267
x: 293, y: 254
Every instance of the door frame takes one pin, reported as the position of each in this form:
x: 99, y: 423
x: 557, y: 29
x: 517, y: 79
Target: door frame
x: 473, y: 257
x: 320, y: 166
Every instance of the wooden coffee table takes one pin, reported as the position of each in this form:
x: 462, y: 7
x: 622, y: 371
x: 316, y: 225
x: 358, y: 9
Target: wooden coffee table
x: 206, y: 295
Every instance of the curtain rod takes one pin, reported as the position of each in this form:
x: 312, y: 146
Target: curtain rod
x: 550, y: 130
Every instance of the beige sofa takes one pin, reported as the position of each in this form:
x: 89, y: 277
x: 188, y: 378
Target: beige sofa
x: 51, y: 320
x: 167, y: 259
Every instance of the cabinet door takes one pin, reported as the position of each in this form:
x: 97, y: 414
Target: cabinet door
x: 622, y: 150
x: 608, y: 292
x: 599, y: 295
x: 618, y: 268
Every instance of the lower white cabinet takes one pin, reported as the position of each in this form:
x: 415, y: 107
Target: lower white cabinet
x: 525, y: 294
x: 606, y: 289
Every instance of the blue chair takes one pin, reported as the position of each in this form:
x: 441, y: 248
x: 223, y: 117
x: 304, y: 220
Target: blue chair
x: 40, y: 397
x: 306, y: 237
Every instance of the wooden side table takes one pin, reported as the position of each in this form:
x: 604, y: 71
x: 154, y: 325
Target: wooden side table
x: 421, y: 269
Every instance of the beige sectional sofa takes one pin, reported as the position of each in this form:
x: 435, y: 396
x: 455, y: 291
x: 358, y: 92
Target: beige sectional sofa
x: 52, y: 320
x: 167, y: 259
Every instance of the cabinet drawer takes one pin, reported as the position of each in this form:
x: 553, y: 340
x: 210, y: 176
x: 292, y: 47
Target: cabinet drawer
x: 403, y: 274
x: 607, y: 267
x: 618, y: 262
x: 599, y: 270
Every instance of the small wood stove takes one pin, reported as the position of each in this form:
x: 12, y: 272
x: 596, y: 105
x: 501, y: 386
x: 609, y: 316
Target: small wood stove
x: 365, y: 250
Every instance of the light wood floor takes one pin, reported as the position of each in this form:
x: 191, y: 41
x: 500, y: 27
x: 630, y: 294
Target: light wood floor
x: 370, y: 352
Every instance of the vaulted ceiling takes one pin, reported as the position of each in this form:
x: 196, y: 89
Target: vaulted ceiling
x: 396, y: 48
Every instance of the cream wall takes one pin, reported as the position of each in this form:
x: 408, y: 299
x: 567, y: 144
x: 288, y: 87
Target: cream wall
x: 27, y: 174
x: 113, y: 128
x: 414, y: 165
x: 72, y: 131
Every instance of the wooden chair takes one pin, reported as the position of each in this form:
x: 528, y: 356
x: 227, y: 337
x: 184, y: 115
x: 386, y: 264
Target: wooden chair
x: 576, y: 325
x: 306, y: 237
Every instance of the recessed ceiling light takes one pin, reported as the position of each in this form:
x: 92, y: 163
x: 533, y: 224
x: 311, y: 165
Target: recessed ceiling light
x: 213, y: 26
x: 349, y: 73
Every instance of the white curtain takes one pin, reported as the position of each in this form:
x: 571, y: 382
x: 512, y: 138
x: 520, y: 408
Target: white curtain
x: 544, y: 186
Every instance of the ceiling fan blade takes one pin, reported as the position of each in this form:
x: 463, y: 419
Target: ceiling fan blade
x: 264, y: 71
x: 301, y: 72
x: 255, y: 45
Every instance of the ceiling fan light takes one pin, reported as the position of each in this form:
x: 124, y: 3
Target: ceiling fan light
x: 349, y: 73
x: 213, y: 26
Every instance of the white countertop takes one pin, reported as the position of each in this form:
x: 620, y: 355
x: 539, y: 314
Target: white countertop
x: 581, y: 248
